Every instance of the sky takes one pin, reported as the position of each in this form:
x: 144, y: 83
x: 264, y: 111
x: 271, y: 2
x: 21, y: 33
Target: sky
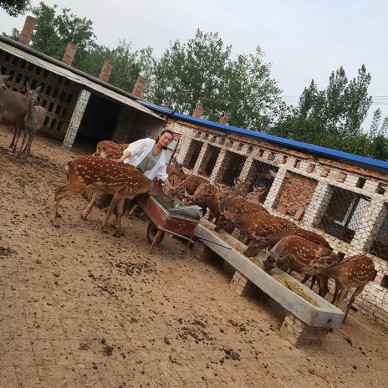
x: 303, y: 40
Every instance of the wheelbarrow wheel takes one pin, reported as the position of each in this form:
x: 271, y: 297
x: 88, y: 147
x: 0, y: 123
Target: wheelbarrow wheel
x: 151, y: 233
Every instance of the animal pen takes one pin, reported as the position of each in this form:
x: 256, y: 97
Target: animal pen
x: 340, y: 196
x: 344, y: 200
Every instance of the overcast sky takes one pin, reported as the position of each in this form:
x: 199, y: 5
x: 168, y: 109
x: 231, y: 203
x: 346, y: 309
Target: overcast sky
x: 302, y: 39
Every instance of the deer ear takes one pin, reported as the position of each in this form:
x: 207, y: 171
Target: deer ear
x: 28, y: 85
x: 39, y: 88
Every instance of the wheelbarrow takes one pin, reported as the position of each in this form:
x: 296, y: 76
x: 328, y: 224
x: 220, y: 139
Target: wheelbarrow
x: 180, y: 221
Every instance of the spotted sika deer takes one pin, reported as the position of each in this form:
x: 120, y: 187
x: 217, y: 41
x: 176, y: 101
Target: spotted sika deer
x: 189, y: 185
x: 353, y: 272
x: 257, y: 244
x: 255, y: 195
x: 107, y: 177
x: 260, y: 223
x: 109, y: 149
x: 293, y: 253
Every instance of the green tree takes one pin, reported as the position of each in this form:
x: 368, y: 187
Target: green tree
x: 378, y: 137
x: 331, y: 117
x: 201, y: 72
x: 15, y: 7
x: 53, y: 32
x: 126, y: 64
x: 251, y: 97
x: 190, y: 74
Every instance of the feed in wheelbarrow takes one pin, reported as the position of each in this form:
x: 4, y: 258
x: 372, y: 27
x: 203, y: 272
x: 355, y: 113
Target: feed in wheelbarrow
x: 179, y: 220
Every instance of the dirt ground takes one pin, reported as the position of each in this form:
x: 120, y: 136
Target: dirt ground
x: 83, y: 308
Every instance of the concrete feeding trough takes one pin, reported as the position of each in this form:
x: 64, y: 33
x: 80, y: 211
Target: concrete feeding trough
x: 306, y: 322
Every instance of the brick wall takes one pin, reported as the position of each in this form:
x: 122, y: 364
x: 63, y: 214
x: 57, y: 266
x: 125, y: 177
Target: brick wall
x: 302, y: 190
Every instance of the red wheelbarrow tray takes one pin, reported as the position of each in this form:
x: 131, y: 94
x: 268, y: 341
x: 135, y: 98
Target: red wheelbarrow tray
x: 164, y: 221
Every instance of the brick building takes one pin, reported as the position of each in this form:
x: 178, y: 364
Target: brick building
x: 341, y: 196
x: 344, y: 197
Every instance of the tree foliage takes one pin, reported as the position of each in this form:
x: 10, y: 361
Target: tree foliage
x: 378, y: 137
x: 15, y: 7
x: 332, y: 117
x: 53, y: 32
x: 201, y: 72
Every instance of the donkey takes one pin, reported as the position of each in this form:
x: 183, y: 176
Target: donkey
x: 13, y: 108
x: 33, y: 121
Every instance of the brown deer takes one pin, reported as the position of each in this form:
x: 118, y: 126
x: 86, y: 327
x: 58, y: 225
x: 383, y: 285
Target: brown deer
x: 255, y: 195
x: 107, y: 177
x: 33, y: 121
x: 109, y: 149
x: 103, y: 200
x: 207, y: 196
x: 353, y: 272
x: 293, y: 253
x: 189, y: 185
x: 257, y: 244
x: 13, y: 108
x: 260, y: 223
x: 236, y: 205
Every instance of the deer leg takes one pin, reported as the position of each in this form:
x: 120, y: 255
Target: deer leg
x: 61, y: 193
x: 23, y: 146
x: 27, y: 148
x: 322, y: 282
x: 88, y: 209
x: 352, y: 299
x: 15, y: 138
x: 133, y: 210
x: 307, y: 277
x: 339, y: 294
x: 117, y: 221
x: 116, y: 198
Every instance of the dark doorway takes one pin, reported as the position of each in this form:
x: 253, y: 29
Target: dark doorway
x: 98, y: 121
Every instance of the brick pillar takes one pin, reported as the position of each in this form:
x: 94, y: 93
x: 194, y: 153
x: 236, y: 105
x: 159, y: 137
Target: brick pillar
x: 218, y: 165
x: 369, y: 225
x: 203, y: 253
x: 201, y: 155
x: 28, y: 29
x: 76, y: 118
x: 241, y: 285
x: 224, y: 118
x: 301, y: 334
x: 106, y: 70
x: 68, y: 56
x: 198, y: 111
x: 275, y: 187
x: 139, y: 85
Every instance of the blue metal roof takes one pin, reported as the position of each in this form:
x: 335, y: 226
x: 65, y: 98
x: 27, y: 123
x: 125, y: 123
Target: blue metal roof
x: 340, y: 156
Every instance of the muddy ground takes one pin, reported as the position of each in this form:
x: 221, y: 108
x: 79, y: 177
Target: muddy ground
x: 84, y: 308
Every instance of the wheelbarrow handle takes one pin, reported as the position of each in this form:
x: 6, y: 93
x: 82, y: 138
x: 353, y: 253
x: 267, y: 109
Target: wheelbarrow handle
x: 206, y: 239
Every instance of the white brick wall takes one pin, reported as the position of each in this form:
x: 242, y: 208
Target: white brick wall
x: 373, y: 301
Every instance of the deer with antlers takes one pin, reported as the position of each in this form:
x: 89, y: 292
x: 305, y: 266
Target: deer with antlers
x: 353, y: 272
x: 107, y: 177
